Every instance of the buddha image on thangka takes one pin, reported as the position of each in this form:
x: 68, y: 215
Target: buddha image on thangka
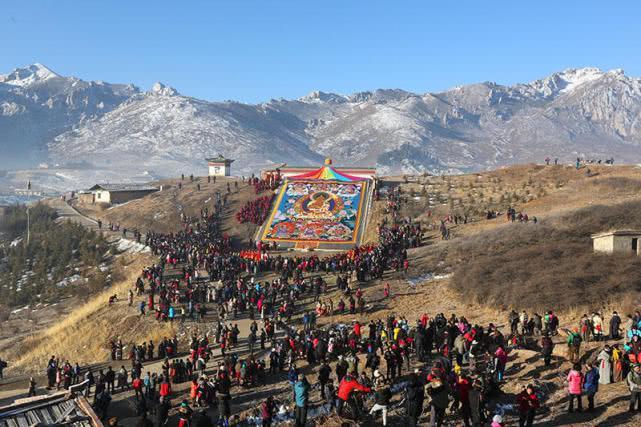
x: 316, y: 211
x: 318, y: 205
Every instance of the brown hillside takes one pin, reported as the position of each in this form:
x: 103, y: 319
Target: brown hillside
x: 84, y: 334
x: 544, y: 265
x: 161, y: 211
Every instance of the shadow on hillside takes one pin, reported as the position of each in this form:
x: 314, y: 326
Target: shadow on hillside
x: 549, y: 265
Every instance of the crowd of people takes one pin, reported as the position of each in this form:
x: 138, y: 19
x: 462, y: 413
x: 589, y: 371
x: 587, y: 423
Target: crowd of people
x: 359, y: 370
x: 230, y: 286
x: 255, y: 211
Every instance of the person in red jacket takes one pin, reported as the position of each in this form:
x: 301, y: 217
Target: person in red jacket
x: 137, y: 386
x: 463, y: 386
x: 165, y: 388
x: 347, y: 385
x: 357, y: 329
x: 528, y: 404
x: 193, y: 391
x: 268, y: 407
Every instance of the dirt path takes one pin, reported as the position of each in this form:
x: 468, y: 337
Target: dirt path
x: 67, y: 212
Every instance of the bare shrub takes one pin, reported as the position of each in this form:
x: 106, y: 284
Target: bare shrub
x: 549, y: 265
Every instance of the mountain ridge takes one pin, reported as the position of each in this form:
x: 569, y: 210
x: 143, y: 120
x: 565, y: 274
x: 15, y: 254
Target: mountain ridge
x: 577, y: 112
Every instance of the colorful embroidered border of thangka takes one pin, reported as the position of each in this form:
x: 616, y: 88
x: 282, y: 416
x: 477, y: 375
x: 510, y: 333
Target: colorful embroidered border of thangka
x: 323, y: 211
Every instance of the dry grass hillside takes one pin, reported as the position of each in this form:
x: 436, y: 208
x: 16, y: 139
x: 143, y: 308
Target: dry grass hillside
x: 161, y: 211
x: 551, y: 264
x: 84, y: 334
x: 534, y: 189
x: 548, y: 265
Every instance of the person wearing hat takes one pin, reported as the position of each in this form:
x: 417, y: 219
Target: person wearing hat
x: 633, y: 380
x: 379, y: 379
x: 184, y: 414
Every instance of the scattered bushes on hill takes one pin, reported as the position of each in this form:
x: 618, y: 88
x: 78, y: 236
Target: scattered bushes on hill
x: 32, y: 269
x: 550, y: 265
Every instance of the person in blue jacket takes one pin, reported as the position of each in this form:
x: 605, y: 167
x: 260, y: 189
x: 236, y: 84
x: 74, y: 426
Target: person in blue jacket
x: 591, y: 384
x: 301, y: 395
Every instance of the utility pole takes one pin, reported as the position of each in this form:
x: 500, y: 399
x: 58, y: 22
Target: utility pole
x: 28, y: 226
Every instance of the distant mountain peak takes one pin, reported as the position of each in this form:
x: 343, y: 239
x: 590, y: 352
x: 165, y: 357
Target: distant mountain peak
x: 568, y: 80
x: 380, y: 95
x: 163, y: 90
x: 28, y: 75
x: 575, y: 77
x: 320, y: 96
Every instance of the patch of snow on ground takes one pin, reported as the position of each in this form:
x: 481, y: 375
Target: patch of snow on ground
x: 68, y: 281
x: 130, y: 246
x: 18, y: 310
x: 427, y: 277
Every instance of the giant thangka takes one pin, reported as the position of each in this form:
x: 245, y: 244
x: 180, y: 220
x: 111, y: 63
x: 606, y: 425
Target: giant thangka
x: 322, y: 208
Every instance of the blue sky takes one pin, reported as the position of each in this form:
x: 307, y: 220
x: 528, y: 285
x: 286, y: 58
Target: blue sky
x: 256, y: 50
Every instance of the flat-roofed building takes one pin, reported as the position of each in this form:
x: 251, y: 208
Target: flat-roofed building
x: 617, y: 241
x: 114, y: 194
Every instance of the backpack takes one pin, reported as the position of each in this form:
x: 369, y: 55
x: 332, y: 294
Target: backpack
x: 575, y: 339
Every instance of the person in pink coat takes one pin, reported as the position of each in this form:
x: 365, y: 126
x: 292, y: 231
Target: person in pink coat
x: 575, y: 383
x: 500, y: 361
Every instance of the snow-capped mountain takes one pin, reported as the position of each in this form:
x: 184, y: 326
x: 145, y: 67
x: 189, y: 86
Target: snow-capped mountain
x: 36, y: 105
x: 116, y: 128
x: 170, y: 133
